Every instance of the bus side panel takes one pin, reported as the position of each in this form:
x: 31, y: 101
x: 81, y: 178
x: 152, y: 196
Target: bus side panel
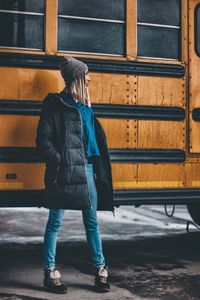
x: 19, y: 176
x: 161, y: 91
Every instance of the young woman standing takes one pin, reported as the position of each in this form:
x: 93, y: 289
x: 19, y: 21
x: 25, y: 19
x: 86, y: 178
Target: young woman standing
x: 78, y: 176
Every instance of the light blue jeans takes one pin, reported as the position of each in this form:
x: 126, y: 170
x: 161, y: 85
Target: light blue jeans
x: 55, y: 221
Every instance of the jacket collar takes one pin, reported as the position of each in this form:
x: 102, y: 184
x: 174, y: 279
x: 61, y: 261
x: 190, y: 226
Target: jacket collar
x: 58, y: 96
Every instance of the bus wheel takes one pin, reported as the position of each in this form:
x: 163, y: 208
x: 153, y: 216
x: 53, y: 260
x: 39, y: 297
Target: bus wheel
x: 194, y: 211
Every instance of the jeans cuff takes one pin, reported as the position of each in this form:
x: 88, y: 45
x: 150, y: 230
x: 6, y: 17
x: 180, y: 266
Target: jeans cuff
x: 96, y: 267
x: 49, y: 268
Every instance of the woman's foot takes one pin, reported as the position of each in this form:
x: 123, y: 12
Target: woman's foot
x: 52, y: 281
x: 101, y: 280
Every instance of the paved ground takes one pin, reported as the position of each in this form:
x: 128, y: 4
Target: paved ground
x: 150, y: 256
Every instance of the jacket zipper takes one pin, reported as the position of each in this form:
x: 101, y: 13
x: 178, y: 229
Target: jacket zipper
x: 81, y: 132
x: 81, y: 123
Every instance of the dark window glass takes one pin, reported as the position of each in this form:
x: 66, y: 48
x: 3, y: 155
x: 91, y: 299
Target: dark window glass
x: 24, y: 31
x: 103, y: 9
x: 197, y: 29
x: 23, y: 5
x: 158, y: 31
x: 165, y: 12
x: 94, y: 37
x: 104, y: 36
x: 158, y: 42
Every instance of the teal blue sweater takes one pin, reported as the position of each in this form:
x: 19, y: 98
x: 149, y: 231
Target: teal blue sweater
x: 87, y: 115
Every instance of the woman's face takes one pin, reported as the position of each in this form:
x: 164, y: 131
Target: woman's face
x: 87, y: 78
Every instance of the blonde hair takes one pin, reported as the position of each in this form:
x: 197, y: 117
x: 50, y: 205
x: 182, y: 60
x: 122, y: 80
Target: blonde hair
x: 79, y: 90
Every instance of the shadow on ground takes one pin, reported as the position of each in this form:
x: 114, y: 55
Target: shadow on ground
x: 166, y: 268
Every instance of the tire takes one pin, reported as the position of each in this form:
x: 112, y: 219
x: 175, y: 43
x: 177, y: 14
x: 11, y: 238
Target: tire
x: 194, y: 211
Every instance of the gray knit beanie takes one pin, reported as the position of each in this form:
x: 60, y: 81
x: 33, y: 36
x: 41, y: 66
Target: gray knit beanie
x: 71, y: 68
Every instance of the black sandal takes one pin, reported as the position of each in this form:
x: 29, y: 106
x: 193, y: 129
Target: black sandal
x: 52, y: 281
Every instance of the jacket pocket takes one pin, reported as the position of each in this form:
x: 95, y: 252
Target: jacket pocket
x: 51, y: 175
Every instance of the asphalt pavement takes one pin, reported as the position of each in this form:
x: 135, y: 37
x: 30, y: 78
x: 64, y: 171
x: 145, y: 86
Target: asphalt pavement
x: 150, y: 256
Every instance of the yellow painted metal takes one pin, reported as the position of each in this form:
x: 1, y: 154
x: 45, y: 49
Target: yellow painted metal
x: 11, y: 185
x: 148, y: 184
x: 29, y: 176
x: 131, y: 29
x: 51, y: 26
x: 196, y: 183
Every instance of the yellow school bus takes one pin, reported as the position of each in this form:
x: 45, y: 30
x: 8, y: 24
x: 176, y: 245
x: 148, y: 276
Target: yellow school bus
x: 144, y: 62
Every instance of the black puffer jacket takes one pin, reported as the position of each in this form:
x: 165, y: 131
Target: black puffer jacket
x: 59, y: 140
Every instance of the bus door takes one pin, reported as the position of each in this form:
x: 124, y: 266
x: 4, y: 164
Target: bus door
x: 194, y: 75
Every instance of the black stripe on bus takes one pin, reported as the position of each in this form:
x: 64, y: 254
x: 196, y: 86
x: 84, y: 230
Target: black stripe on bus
x: 20, y: 155
x: 116, y: 111
x: 144, y: 112
x: 196, y: 29
x: 147, y: 155
x: 20, y: 107
x: 156, y: 196
x: 35, y: 198
x: 38, y: 61
x: 21, y: 198
x: 31, y: 155
x: 196, y: 114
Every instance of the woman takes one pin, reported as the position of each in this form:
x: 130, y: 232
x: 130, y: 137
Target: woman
x: 78, y: 170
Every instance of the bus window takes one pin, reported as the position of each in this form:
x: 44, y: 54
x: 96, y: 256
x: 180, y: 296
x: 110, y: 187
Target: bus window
x: 22, y: 24
x: 158, y: 29
x: 197, y: 30
x: 95, y: 27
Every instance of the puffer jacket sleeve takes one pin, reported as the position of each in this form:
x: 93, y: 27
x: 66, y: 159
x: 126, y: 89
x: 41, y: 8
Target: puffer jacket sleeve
x: 45, y: 136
